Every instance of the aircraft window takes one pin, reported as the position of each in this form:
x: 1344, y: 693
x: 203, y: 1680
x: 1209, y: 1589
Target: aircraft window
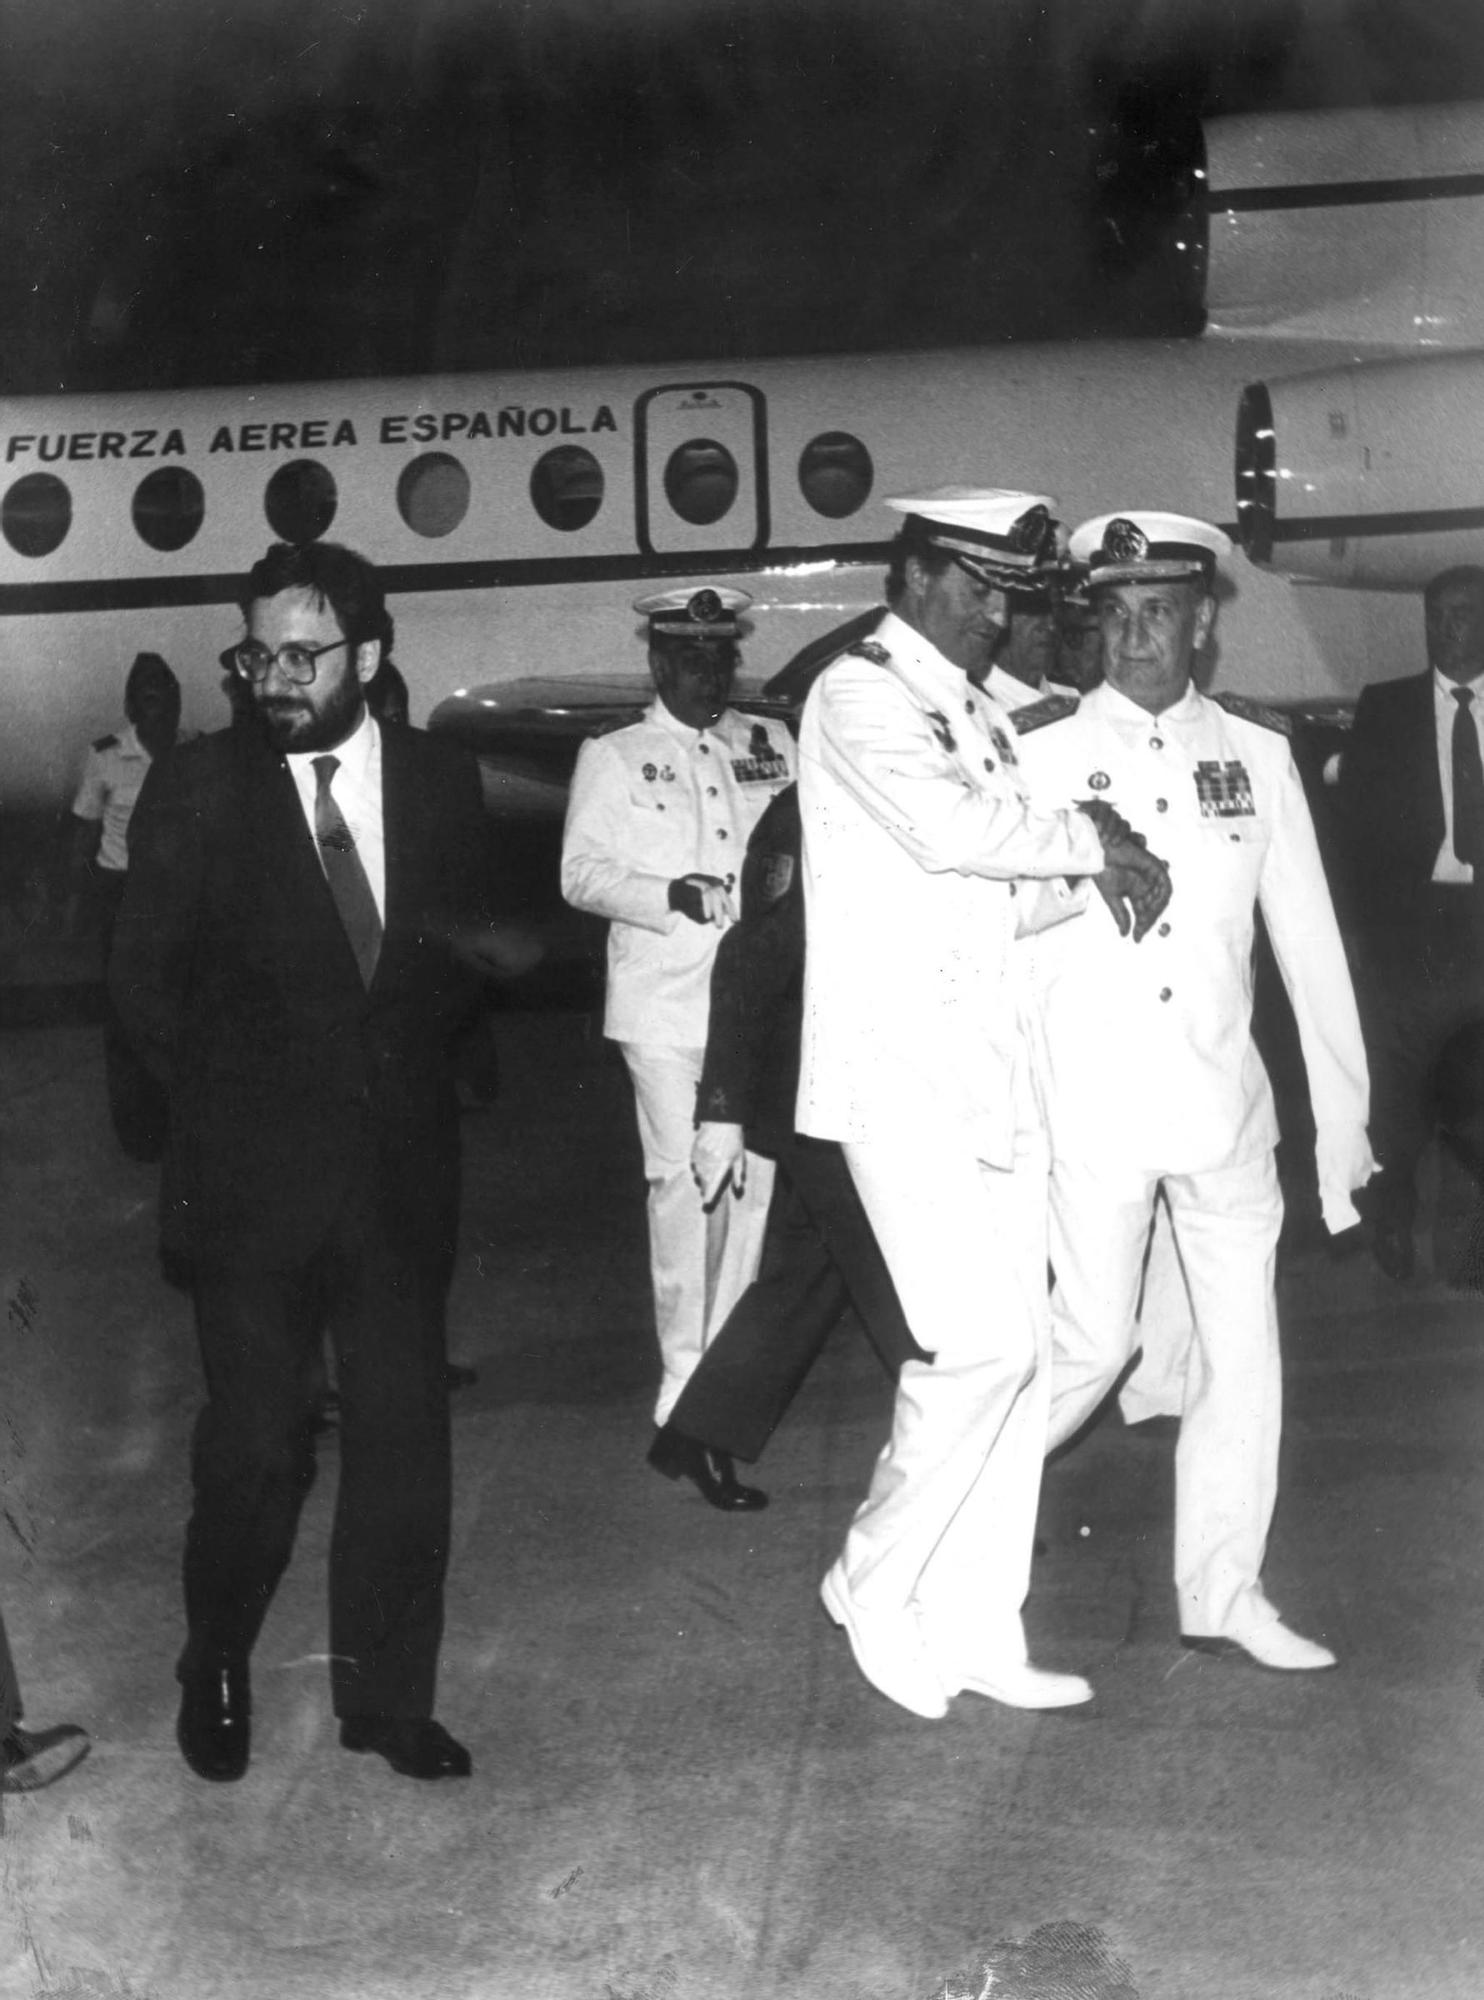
x: 433, y: 494
x: 835, y: 474
x: 36, y: 514
x: 567, y: 487
x: 701, y: 481
x: 169, y: 506
x: 300, y: 500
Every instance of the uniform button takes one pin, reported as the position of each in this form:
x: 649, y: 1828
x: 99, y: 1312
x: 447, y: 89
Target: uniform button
x: 1164, y: 992
x: 704, y: 748
x: 989, y: 763
x: 1164, y: 930
x: 721, y: 833
x: 711, y: 791
x: 659, y: 808
x: 1014, y: 891
x: 1156, y: 743
x: 968, y: 708
x: 1161, y: 805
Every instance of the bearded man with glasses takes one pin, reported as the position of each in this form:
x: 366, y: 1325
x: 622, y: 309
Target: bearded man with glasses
x: 298, y: 948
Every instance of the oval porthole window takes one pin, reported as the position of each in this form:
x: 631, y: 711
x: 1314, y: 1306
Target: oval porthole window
x: 567, y: 487
x: 169, y: 507
x: 701, y: 481
x: 433, y: 494
x: 300, y: 500
x: 835, y: 474
x: 36, y: 514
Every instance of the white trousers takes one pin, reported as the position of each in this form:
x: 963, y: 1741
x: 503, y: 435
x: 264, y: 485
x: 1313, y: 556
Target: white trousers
x: 947, y: 1526
x: 1226, y: 1226
x: 699, y: 1264
x: 1156, y: 1388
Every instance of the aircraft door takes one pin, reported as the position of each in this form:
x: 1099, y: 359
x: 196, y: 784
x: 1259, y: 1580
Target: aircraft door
x: 701, y: 469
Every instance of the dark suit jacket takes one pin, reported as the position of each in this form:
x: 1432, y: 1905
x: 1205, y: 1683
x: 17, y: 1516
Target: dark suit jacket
x: 751, y: 1072
x: 232, y: 973
x: 1391, y: 804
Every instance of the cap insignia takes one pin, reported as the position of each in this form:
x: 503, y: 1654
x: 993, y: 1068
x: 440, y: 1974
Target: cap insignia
x: 1124, y: 542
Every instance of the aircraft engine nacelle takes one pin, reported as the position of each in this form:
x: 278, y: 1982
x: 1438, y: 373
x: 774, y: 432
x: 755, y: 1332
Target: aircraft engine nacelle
x: 1369, y: 476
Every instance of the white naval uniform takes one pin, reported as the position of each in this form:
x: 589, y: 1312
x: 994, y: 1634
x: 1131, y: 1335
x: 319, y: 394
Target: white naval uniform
x: 1156, y: 1385
x: 648, y: 804
x: 919, y: 840
x: 1151, y: 1075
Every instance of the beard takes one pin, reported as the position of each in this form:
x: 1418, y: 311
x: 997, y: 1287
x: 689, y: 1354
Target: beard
x: 297, y: 723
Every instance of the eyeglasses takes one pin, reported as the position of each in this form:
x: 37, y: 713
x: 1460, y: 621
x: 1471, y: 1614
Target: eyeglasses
x: 298, y: 664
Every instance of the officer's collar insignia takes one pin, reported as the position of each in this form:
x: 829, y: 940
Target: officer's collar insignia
x: 1036, y: 714
x: 872, y: 650
x: 760, y: 744
x: 1124, y: 542
x: 1099, y: 781
x: 651, y: 771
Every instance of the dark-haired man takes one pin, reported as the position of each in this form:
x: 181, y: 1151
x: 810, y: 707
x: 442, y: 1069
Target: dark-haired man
x: 658, y: 822
x: 295, y: 956
x: 1412, y: 801
x: 925, y: 856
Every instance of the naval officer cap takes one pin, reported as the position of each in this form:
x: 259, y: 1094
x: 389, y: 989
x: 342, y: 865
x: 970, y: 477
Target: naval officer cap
x: 711, y: 613
x: 1005, y: 539
x: 1147, y: 548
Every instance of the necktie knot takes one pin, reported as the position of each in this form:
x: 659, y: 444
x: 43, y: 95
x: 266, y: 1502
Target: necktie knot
x: 1463, y: 696
x: 324, y: 769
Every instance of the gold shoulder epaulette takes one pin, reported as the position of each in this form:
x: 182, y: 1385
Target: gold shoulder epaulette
x: 870, y: 649
x: 1260, y: 712
x: 1036, y: 714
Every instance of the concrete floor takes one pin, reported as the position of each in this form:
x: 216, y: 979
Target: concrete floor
x: 683, y: 1790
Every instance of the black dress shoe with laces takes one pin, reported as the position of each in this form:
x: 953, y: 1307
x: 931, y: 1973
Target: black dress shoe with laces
x: 31, y: 1759
x: 215, y: 1727
x: 416, y: 1747
x: 711, y: 1472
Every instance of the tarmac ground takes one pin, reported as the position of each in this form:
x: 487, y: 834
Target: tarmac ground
x: 683, y: 1789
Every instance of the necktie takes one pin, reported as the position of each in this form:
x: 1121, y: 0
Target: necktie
x: 347, y: 877
x: 1468, y: 783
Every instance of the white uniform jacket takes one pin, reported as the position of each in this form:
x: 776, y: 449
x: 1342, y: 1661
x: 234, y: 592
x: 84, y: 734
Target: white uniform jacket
x: 1147, y: 1048
x: 919, y: 835
x: 649, y: 803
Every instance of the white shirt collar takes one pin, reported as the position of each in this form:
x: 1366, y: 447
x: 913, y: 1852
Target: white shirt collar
x: 1132, y: 714
x: 666, y: 719
x: 1444, y: 686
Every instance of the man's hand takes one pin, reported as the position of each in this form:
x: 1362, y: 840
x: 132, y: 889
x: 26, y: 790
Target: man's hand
x: 705, y: 899
x: 718, y: 1154
x: 1135, y: 884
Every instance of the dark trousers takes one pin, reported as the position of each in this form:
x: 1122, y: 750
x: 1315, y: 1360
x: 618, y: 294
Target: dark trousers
x: 10, y: 1691
x: 819, y: 1256
x: 137, y: 1102
x: 1419, y: 988
x: 253, y: 1459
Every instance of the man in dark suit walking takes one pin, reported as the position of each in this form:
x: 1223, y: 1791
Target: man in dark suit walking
x: 1412, y: 803
x: 295, y: 956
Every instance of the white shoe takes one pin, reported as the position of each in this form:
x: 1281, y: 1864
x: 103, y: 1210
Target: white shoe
x: 888, y: 1650
x: 1020, y: 1685
x: 1271, y: 1645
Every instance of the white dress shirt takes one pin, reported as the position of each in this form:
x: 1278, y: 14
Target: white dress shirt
x: 1448, y: 867
x: 356, y: 789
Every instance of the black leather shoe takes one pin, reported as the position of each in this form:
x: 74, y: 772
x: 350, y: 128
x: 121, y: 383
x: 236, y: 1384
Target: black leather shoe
x: 712, y: 1472
x: 1393, y: 1248
x: 417, y: 1748
x: 215, y: 1727
x: 31, y: 1759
